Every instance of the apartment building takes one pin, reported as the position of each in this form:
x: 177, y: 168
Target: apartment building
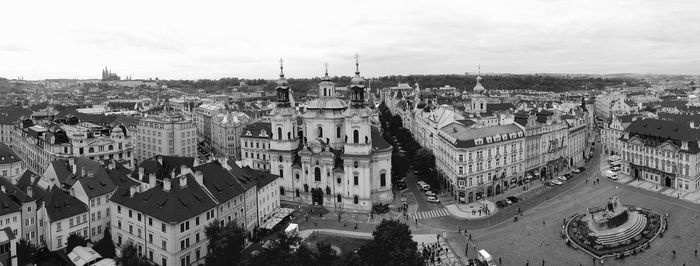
x: 165, y: 220
x: 10, y: 163
x: 545, y: 142
x: 168, y: 134
x: 255, y: 144
x: 203, y: 115
x: 60, y: 215
x: 40, y: 144
x: 662, y: 152
x: 480, y: 162
x: 226, y: 131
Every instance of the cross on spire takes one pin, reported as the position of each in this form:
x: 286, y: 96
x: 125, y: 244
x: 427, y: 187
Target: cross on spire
x: 281, y: 68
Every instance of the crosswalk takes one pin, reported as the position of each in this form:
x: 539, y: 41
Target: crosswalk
x: 429, y: 214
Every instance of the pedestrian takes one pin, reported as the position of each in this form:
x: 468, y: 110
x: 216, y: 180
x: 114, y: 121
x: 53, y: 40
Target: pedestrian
x: 416, y: 220
x: 499, y: 260
x: 543, y: 262
x: 586, y: 181
x: 466, y: 250
x: 315, y: 224
x: 527, y: 263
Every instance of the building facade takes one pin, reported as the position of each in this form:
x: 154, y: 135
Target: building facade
x: 255, y: 143
x: 662, y: 152
x: 226, y: 130
x: 203, y: 117
x: 480, y: 162
x: 546, y: 137
x: 337, y: 158
x: 170, y: 134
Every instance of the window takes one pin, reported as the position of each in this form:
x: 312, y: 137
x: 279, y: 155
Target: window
x: 282, y: 173
x: 356, y: 136
x: 150, y: 221
x: 382, y: 180
x: 320, y: 132
x: 162, y: 227
x: 356, y: 199
x: 339, y: 198
x: 279, y: 133
x: 337, y: 132
x: 317, y: 174
x: 356, y: 164
x: 356, y: 180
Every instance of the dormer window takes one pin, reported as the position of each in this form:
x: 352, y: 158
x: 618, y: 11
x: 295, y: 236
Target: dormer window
x: 684, y: 145
x: 488, y: 140
x: 248, y: 133
x: 478, y: 141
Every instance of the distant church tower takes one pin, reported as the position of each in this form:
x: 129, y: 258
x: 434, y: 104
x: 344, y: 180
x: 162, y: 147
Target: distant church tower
x: 357, y: 123
x: 284, y: 139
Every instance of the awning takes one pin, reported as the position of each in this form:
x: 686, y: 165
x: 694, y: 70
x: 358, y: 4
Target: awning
x: 277, y: 217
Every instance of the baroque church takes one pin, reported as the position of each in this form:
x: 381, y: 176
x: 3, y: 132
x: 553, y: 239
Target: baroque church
x: 336, y: 157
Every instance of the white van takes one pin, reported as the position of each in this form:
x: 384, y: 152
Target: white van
x: 485, y: 258
x: 610, y: 174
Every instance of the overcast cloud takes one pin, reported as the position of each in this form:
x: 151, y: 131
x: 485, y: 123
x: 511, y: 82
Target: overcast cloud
x: 212, y: 39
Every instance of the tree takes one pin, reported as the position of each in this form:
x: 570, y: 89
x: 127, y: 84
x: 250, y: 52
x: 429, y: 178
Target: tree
x: 326, y: 255
x: 26, y: 252
x: 424, y: 163
x: 225, y: 243
x: 131, y: 257
x: 396, y: 123
x: 105, y: 246
x: 287, y: 250
x: 73, y: 241
x: 392, y: 244
x: 399, y: 165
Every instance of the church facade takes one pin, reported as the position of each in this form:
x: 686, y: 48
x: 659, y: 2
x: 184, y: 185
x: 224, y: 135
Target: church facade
x: 336, y: 157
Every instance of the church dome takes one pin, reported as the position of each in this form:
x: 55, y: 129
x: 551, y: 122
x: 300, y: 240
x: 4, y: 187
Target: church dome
x: 326, y: 103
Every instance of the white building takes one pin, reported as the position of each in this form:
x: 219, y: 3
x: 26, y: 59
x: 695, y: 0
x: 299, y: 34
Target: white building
x: 60, y: 215
x: 226, y: 130
x: 342, y: 161
x: 10, y: 164
x: 255, y: 144
x: 170, y: 134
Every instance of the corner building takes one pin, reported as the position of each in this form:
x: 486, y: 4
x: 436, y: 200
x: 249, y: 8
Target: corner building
x: 336, y: 158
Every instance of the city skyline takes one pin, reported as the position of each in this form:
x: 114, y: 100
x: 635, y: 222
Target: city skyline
x: 216, y: 40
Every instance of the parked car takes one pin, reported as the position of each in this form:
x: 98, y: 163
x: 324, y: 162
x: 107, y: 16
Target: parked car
x: 557, y: 182
x: 513, y: 199
x: 615, y: 168
x: 421, y: 183
x: 568, y: 176
x: 501, y: 204
x: 549, y: 184
x: 581, y: 169
x: 433, y: 199
x: 576, y: 170
x: 429, y: 193
x: 400, y: 185
x: 562, y: 178
x: 425, y: 187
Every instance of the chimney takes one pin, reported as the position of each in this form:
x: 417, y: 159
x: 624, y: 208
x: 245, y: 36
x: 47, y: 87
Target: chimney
x: 32, y: 178
x: 199, y: 177
x: 132, y: 191
x: 183, y: 169
x: 29, y: 191
x: 90, y: 173
x: 196, y: 161
x: 159, y: 159
x: 152, y: 180
x: 141, y: 173
x: 166, y: 184
x: 183, y: 181
x: 14, y: 180
x: 74, y: 167
x: 172, y: 174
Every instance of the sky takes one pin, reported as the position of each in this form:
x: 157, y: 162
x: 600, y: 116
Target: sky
x: 246, y: 39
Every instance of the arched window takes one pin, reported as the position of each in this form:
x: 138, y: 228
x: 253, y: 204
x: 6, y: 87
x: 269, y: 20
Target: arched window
x: 279, y: 133
x: 382, y: 180
x: 356, y: 164
x: 339, y: 198
x: 289, y: 135
x: 297, y: 176
x: 282, y: 191
x: 338, y: 180
x: 482, y: 106
x: 320, y: 132
x: 297, y: 192
x: 110, y: 147
x: 356, y: 199
x: 356, y: 136
x: 317, y: 174
x: 91, y: 150
x: 337, y: 132
x: 328, y: 190
x: 306, y: 188
x: 325, y: 91
x: 356, y: 180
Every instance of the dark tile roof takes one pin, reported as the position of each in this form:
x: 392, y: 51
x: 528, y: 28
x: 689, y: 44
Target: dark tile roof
x: 673, y: 130
x: 7, y: 155
x: 220, y: 183
x: 678, y: 104
x: 241, y: 175
x: 465, y: 137
x: 123, y: 105
x: 13, y: 192
x: 25, y: 180
x: 11, y: 114
x: 174, y: 206
x: 378, y: 141
x: 60, y: 205
x: 92, y: 175
x: 8, y: 204
x: 169, y: 163
x: 680, y: 118
x: 98, y: 119
x: 256, y: 128
x: 120, y: 176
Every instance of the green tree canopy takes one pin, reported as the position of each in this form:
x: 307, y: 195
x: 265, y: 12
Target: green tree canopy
x: 73, y: 241
x: 105, y: 246
x: 130, y: 256
x: 392, y: 244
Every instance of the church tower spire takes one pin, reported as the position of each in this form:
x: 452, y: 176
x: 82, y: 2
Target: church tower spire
x: 357, y: 86
x: 282, y: 88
